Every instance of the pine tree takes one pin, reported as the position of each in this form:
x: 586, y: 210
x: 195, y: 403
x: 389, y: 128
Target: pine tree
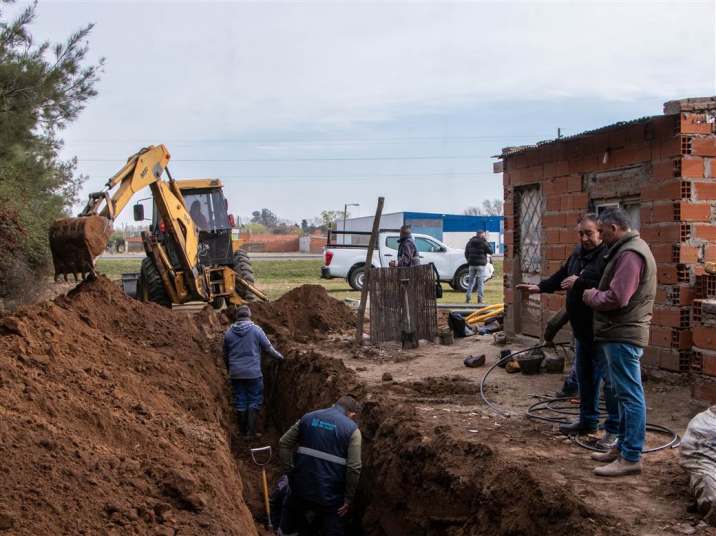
x: 43, y: 87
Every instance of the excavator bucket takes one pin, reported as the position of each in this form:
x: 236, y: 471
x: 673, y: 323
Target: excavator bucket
x: 76, y: 242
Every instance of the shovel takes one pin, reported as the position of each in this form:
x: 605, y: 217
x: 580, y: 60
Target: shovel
x: 264, y: 455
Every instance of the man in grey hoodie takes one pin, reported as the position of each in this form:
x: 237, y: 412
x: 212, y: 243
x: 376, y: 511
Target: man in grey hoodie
x: 243, y: 343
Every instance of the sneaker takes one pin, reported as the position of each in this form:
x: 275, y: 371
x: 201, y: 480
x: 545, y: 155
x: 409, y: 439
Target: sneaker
x: 608, y: 442
x: 577, y: 427
x: 606, y: 457
x: 619, y: 467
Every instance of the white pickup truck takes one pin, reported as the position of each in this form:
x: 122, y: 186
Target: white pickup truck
x: 348, y: 261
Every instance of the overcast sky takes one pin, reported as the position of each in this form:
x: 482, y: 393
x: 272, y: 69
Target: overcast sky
x: 301, y: 107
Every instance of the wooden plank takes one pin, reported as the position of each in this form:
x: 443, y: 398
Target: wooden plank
x: 360, y: 321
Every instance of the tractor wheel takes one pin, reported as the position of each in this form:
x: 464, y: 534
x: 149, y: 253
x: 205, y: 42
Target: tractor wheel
x: 242, y: 266
x: 152, y: 284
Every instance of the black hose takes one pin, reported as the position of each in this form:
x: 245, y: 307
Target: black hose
x: 547, y: 404
x: 505, y: 360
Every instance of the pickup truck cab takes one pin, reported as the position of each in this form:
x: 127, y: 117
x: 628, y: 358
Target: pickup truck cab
x: 348, y: 260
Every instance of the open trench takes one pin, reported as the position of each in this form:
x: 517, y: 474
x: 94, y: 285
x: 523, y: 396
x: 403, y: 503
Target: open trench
x: 417, y: 479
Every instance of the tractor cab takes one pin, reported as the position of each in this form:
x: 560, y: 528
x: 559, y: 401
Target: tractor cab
x: 204, y: 200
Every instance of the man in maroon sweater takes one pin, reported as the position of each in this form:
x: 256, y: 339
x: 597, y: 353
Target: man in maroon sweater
x: 623, y: 304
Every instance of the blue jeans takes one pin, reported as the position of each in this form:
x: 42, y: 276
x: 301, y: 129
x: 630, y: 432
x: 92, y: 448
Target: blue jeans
x: 624, y: 371
x: 248, y: 394
x: 591, y: 368
x: 571, y: 382
x: 476, y: 274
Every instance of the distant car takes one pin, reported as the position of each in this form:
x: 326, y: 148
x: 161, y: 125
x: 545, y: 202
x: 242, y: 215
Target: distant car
x: 348, y: 261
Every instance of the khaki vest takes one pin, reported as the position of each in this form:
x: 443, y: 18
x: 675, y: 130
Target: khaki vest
x: 629, y: 324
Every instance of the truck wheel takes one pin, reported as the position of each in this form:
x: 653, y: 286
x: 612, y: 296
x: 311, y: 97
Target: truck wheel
x: 152, y: 285
x: 460, y: 280
x: 357, y: 278
x: 242, y: 266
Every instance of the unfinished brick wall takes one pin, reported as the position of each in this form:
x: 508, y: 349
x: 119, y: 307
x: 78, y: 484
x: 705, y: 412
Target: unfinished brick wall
x: 663, y: 166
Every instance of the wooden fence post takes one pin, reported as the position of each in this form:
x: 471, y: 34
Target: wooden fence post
x: 368, y: 263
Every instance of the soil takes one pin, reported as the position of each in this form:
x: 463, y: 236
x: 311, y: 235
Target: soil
x: 116, y: 419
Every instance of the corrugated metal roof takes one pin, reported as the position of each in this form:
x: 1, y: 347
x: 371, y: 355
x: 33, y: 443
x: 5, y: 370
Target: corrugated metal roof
x: 511, y: 151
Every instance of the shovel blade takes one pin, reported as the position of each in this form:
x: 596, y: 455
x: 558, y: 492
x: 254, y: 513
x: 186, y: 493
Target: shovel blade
x: 76, y: 242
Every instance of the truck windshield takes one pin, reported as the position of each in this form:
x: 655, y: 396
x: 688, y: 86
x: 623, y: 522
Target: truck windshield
x: 207, y: 208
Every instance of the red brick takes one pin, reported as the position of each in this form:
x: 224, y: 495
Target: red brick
x: 692, y: 166
x: 704, y: 191
x: 709, y: 363
x: 657, y: 213
x: 667, y: 316
x: 669, y: 359
x: 508, y: 209
x: 509, y: 295
x: 574, y: 183
x: 703, y: 146
x: 660, y: 336
x: 553, y: 203
x: 661, y: 233
x: 704, y: 337
x: 663, y: 169
x: 566, y: 202
x: 710, y: 253
x: 670, y: 147
x: 667, y: 274
x: 695, y: 212
x: 662, y: 252
x: 552, y: 236
x: 568, y: 236
x: 581, y: 201
x: 704, y: 231
x: 688, y: 254
x: 661, y: 191
x: 556, y: 169
x: 695, y: 124
x: 553, y: 220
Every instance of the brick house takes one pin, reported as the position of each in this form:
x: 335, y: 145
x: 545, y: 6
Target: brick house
x: 662, y: 170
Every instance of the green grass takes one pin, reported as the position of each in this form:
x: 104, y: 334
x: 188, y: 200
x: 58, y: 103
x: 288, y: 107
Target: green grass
x: 276, y: 277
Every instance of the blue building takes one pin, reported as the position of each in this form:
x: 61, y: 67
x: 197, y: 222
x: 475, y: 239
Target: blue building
x: 454, y: 230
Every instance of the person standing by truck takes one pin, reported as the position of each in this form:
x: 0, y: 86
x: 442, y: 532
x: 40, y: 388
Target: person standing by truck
x: 476, y: 254
x: 407, y: 250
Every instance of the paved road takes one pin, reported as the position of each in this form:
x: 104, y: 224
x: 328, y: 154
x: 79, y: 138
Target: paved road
x: 253, y: 256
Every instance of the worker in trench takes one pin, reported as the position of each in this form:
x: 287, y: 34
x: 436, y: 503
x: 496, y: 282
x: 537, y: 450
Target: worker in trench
x: 321, y: 454
x: 581, y: 271
x: 623, y: 305
x: 243, y: 343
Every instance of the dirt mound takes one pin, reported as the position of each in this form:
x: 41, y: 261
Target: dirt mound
x: 304, y: 314
x: 114, y: 420
x: 445, y: 385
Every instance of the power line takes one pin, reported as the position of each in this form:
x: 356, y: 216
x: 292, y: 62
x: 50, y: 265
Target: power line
x: 323, y: 159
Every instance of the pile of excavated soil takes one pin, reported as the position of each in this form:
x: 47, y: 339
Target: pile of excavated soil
x: 305, y: 314
x: 115, y: 420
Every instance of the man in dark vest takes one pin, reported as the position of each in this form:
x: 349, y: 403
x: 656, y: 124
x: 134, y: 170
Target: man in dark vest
x: 321, y: 454
x: 407, y: 250
x: 582, y: 271
x: 623, y: 304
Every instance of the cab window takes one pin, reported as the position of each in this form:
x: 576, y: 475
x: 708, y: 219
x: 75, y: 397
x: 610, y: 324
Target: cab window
x: 427, y: 246
x: 391, y: 242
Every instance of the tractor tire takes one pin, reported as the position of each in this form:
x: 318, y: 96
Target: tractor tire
x: 152, y: 285
x: 242, y: 266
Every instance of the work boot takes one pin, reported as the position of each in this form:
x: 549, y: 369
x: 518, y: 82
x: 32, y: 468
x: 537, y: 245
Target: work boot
x: 608, y: 442
x: 577, y: 427
x: 606, y: 457
x: 467, y: 299
x: 251, y: 428
x: 243, y: 420
x: 567, y: 393
x: 619, y: 467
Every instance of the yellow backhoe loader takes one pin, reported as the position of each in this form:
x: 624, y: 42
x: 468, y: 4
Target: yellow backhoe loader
x: 191, y: 255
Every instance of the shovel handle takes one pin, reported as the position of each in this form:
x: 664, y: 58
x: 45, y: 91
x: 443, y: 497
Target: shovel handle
x: 266, y: 499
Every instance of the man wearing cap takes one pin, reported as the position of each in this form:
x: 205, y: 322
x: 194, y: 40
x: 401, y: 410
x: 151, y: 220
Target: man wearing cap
x: 243, y: 343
